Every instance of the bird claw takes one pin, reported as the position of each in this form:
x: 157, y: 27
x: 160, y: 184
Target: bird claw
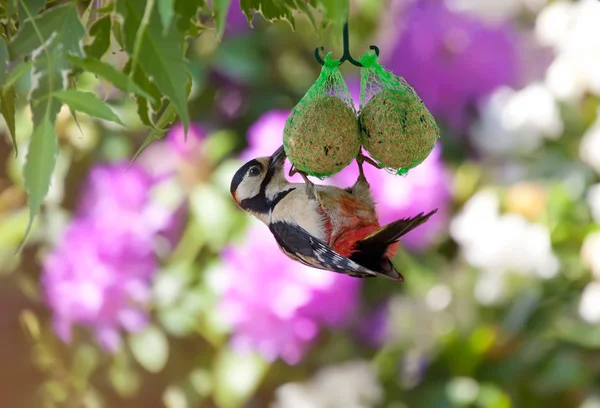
x: 360, y: 160
x: 292, y: 171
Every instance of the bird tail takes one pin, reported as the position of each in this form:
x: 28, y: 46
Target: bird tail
x: 371, y: 252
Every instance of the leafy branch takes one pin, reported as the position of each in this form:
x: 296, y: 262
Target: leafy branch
x: 44, y: 40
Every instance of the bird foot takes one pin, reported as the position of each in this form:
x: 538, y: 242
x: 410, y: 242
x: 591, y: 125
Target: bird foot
x: 310, y: 186
x: 361, y: 158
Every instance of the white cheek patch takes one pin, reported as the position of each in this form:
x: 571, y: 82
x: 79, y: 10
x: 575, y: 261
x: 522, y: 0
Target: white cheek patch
x: 248, y: 188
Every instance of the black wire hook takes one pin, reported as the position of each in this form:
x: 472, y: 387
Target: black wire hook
x: 346, y: 55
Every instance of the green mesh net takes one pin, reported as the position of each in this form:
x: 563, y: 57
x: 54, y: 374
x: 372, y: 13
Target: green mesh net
x: 321, y: 135
x: 397, y: 129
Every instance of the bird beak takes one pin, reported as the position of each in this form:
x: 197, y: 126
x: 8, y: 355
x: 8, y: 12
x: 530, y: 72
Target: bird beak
x: 277, y: 158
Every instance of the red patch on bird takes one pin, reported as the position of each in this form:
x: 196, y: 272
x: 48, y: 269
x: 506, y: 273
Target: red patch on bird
x: 346, y: 241
x: 392, y: 250
x: 349, y: 206
x: 234, y: 195
x: 328, y: 223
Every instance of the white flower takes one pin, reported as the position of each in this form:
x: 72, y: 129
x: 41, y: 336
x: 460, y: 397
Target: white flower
x: 593, y: 199
x: 589, y: 147
x: 517, y: 120
x: 573, y: 31
x: 589, y: 306
x: 590, y: 253
x: 502, y: 243
x: 348, y: 385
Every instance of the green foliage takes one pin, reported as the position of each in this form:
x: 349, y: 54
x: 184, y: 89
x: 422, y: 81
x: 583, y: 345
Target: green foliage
x: 44, y: 40
x: 100, y: 30
x: 150, y: 348
x: 87, y: 103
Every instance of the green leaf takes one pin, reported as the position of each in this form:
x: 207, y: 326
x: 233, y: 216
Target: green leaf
x: 187, y: 10
x: 236, y: 377
x: 43, y: 148
x: 7, y: 107
x: 39, y: 165
x: 111, y: 74
x: 270, y: 10
x: 28, y: 7
x: 17, y: 73
x: 336, y: 11
x: 166, y: 12
x: 3, y: 60
x: 62, y: 20
x: 220, y: 9
x: 150, y: 348
x: 160, y: 57
x: 88, y: 103
x: 47, y: 69
x: 165, y: 120
x: 100, y: 30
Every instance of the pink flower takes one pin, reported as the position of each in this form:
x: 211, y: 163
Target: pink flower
x: 277, y: 306
x: 99, y: 275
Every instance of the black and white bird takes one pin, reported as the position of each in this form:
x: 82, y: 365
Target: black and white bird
x: 324, y: 227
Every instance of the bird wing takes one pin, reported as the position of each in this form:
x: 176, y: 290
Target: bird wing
x: 299, y: 245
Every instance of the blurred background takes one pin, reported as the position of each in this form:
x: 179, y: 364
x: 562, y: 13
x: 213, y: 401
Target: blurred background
x: 147, y: 286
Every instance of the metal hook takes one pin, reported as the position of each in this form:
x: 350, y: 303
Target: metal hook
x: 346, y: 55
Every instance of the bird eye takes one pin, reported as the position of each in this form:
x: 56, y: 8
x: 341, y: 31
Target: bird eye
x: 254, y: 171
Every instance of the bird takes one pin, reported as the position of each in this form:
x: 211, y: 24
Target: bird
x: 322, y: 226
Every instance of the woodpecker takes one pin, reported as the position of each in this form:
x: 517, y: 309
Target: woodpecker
x: 321, y: 226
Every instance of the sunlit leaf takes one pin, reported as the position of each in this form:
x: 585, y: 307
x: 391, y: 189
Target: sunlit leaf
x: 100, y: 30
x: 124, y: 379
x: 111, y: 74
x: 88, y: 103
x: 39, y: 165
x: 150, y: 348
x: 220, y: 9
x: 271, y: 10
x: 236, y: 376
x: 62, y: 20
x: 335, y: 11
x: 7, y: 107
x: 166, y: 12
x: 160, y: 57
x: 43, y: 147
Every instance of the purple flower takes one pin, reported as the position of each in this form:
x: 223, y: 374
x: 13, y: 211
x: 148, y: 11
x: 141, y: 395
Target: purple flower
x: 97, y: 279
x: 452, y: 60
x: 237, y: 22
x: 175, y: 155
x: 277, y: 306
x: 183, y: 146
x: 374, y: 329
x: 99, y: 274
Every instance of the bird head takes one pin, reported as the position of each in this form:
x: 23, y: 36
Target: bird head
x: 256, y: 184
